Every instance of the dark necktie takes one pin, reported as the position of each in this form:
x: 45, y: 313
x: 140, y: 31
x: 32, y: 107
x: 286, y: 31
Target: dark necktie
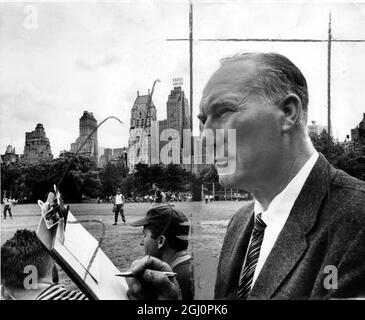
x: 245, y: 283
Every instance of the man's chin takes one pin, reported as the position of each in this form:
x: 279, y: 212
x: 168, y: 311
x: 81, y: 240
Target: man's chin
x: 228, y: 181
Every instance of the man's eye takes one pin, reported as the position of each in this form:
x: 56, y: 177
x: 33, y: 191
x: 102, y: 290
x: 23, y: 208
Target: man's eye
x: 223, y: 112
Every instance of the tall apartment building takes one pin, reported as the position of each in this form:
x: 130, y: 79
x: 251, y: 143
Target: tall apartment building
x: 178, y: 118
x: 87, y: 124
x: 139, y: 145
x: 37, y: 146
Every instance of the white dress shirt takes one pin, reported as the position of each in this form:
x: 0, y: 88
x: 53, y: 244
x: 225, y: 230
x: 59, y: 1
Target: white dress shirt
x: 278, y: 211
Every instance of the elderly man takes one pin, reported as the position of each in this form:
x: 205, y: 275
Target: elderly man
x: 304, y: 234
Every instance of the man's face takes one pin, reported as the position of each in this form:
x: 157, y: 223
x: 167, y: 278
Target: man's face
x: 149, y: 244
x: 229, y: 103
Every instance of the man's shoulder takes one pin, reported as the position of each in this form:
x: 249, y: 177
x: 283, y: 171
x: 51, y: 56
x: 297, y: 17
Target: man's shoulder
x: 347, y: 191
x: 341, y: 211
x: 351, y: 184
x: 346, y: 200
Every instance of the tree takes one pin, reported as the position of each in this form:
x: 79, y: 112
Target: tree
x: 111, y: 179
x: 353, y: 166
x: 143, y: 178
x: 327, y: 146
x: 74, y: 174
x: 208, y: 174
x: 170, y: 178
x: 335, y: 154
x: 174, y: 178
x: 127, y: 186
x: 92, y: 184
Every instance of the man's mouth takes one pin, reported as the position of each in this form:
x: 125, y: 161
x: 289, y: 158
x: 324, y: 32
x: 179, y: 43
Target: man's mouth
x: 221, y: 163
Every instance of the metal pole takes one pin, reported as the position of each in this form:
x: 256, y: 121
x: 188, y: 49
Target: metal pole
x: 329, y: 83
x: 191, y: 62
x: 191, y: 76
x: 213, y: 192
x: 191, y: 117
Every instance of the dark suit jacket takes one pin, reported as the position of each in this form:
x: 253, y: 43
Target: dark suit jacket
x: 326, y: 227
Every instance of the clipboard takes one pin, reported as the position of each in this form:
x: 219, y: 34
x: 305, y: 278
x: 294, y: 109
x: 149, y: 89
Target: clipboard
x: 79, y: 255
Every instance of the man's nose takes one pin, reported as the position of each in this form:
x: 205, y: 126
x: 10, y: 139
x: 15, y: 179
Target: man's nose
x: 210, y: 128
x: 212, y: 124
x: 141, y: 243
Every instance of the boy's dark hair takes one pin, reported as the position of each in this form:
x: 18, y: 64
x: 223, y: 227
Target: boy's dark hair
x: 22, y: 250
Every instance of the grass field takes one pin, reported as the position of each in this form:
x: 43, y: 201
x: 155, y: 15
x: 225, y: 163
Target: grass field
x: 121, y: 242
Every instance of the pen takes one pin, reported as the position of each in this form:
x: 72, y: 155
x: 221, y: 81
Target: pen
x: 129, y: 274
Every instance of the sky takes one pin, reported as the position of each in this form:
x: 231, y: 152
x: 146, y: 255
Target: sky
x: 59, y: 59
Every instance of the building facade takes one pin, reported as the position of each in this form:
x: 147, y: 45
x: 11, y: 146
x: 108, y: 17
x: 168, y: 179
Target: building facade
x: 177, y: 109
x: 348, y: 147
x: 9, y: 156
x: 87, y: 124
x: 178, y: 119
x: 37, y: 146
x: 358, y: 138
x: 114, y: 156
x: 139, y: 145
x: 120, y: 156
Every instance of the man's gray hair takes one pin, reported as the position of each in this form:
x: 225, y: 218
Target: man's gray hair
x: 276, y: 77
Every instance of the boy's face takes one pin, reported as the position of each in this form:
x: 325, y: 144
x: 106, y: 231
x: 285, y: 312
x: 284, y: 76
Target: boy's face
x: 149, y: 244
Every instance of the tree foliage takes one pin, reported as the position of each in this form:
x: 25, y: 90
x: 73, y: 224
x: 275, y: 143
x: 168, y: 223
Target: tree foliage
x: 76, y: 176
x: 111, y: 178
x: 335, y: 154
x: 170, y: 178
x: 208, y: 174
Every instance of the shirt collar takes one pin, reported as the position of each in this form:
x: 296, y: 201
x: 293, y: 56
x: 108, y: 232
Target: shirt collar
x: 280, y: 207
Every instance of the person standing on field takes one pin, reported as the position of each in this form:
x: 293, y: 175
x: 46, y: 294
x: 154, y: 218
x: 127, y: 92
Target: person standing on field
x: 118, y: 207
x: 7, y: 208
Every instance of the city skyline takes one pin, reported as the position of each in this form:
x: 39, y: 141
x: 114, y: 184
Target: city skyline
x: 98, y: 55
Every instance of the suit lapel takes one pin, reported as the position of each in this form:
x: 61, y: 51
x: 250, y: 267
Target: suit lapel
x: 292, y: 243
x: 236, y: 250
x: 287, y: 251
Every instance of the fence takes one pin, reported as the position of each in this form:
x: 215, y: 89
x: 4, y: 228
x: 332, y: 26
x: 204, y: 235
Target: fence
x: 213, y: 191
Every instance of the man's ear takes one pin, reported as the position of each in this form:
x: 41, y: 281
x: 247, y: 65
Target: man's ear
x: 161, y: 242
x: 291, y: 106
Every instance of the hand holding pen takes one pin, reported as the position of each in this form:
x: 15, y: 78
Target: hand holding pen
x: 152, y: 279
